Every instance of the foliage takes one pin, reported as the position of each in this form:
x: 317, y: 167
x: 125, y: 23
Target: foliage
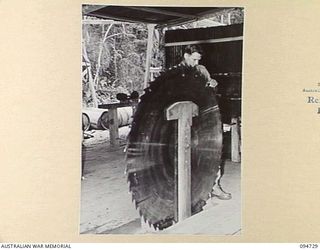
x: 116, y: 54
x: 236, y: 16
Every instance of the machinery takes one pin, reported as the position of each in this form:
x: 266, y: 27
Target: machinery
x: 152, y: 146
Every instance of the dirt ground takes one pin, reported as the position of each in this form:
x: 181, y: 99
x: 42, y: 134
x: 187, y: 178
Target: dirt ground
x: 106, y: 204
x: 105, y: 200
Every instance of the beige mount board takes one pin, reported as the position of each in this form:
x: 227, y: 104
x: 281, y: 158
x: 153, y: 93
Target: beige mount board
x: 40, y: 132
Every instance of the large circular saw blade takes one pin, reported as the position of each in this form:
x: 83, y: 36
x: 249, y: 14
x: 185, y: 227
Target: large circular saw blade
x: 152, y: 146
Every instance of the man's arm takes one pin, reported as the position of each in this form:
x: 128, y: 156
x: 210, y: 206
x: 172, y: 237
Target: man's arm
x: 210, y: 82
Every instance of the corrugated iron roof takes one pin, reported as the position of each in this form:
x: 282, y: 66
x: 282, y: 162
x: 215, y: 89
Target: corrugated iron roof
x: 154, y: 14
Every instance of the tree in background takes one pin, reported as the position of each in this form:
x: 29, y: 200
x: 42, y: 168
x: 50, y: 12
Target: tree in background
x: 114, y: 54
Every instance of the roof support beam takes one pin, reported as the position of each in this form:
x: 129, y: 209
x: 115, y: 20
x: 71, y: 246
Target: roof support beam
x: 117, y: 18
x: 99, y: 21
x: 161, y: 11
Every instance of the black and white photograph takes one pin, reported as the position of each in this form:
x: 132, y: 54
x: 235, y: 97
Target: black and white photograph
x: 161, y: 120
x: 158, y: 122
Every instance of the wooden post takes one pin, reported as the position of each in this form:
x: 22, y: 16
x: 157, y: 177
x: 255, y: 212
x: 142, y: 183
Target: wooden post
x: 113, y: 119
x: 134, y: 106
x: 235, y: 140
x: 91, y: 81
x: 221, y: 19
x: 175, y: 175
x: 229, y: 18
x: 149, y: 53
x: 183, y: 112
x: 113, y: 127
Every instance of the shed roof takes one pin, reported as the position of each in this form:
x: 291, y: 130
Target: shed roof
x: 154, y: 14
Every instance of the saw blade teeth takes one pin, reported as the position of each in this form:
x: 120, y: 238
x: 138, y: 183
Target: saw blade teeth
x: 155, y: 227
x: 147, y: 226
x: 140, y: 213
x: 136, y: 204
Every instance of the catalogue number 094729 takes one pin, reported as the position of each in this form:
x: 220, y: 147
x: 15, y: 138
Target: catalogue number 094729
x: 308, y: 246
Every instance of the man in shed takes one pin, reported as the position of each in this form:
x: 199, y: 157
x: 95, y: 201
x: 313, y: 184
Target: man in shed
x: 191, y: 56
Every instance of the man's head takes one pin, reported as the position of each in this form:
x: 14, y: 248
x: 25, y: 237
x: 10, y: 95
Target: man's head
x: 192, y: 55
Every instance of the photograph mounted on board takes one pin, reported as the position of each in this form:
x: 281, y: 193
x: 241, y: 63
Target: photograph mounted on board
x: 161, y: 120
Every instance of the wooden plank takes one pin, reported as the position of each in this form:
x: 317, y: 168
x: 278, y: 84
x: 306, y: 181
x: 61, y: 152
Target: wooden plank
x: 217, y: 40
x: 199, y: 34
x: 183, y: 112
x: 113, y: 127
x: 235, y: 140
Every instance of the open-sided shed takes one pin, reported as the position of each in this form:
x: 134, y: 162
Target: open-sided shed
x: 154, y: 17
x: 222, y: 45
x: 138, y: 168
